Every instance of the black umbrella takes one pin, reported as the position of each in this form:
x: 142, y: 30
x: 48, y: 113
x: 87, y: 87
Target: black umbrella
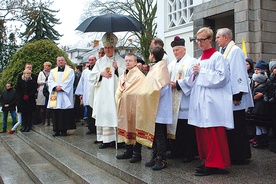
x: 110, y: 23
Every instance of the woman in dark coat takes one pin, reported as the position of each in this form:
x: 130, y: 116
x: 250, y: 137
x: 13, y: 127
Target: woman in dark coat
x: 26, y: 90
x: 250, y: 67
x: 270, y: 96
x: 260, y: 113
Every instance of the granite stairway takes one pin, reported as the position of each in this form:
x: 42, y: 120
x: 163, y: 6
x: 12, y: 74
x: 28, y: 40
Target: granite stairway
x: 76, y: 159
x: 43, y: 160
x: 38, y: 157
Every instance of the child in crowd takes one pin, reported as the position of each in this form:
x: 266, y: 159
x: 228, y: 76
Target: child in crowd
x: 259, y: 114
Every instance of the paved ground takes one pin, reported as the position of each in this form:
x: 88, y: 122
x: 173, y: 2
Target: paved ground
x: 261, y: 168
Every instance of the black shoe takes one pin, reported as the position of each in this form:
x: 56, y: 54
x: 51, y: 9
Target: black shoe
x: 3, y: 131
x: 173, y: 156
x: 124, y: 156
x: 239, y: 162
x: 150, y: 163
x: 112, y: 144
x: 199, y: 168
x: 63, y: 134
x: 258, y: 146
x: 104, y: 145
x: 188, y: 159
x: 159, y: 165
x: 96, y: 142
x: 205, y: 171
x: 273, y: 149
x: 89, y: 132
x: 135, y: 159
x: 56, y: 134
x: 120, y: 145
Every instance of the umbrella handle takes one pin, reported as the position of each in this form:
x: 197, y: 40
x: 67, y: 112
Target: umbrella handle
x: 113, y: 58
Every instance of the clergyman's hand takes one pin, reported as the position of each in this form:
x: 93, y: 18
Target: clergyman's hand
x: 196, y: 69
x: 106, y: 74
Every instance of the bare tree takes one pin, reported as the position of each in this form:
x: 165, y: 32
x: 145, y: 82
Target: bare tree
x: 11, y: 9
x: 143, y: 10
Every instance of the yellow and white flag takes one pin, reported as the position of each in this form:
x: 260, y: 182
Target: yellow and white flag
x: 244, y: 47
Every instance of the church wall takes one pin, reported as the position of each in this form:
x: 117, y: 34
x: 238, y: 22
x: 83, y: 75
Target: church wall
x: 252, y: 20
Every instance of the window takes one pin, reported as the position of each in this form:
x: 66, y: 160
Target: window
x: 180, y: 12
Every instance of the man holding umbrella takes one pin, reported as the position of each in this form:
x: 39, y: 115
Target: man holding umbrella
x: 105, y: 76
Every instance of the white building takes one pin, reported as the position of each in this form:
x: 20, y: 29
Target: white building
x: 253, y: 20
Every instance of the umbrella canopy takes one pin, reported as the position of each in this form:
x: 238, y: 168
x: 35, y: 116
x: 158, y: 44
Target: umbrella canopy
x: 110, y: 23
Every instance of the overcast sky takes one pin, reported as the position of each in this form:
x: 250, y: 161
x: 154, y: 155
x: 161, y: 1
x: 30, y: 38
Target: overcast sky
x: 69, y: 15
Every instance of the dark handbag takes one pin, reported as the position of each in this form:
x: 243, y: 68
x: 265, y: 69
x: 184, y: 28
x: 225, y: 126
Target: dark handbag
x: 45, y: 90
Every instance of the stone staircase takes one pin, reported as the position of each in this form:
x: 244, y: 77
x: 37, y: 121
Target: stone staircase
x: 11, y: 171
x: 46, y: 161
x: 71, y: 159
x: 38, y: 157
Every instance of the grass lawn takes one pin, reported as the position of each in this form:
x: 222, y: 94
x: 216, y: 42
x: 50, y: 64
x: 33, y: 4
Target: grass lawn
x: 9, y: 123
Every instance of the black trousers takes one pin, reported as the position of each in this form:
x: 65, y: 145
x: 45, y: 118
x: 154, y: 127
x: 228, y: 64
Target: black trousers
x: 159, y: 141
x: 78, y: 108
x: 27, y: 120
x: 90, y: 120
x: 184, y: 145
x: 63, y: 120
x: 239, y: 146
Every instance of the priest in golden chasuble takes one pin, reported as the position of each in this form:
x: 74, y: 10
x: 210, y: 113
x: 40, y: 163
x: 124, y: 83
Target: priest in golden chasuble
x: 126, y: 98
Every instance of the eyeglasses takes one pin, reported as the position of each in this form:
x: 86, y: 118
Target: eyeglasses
x: 201, y: 39
x: 101, y: 52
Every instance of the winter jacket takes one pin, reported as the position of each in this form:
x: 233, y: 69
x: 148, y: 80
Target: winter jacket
x: 260, y: 113
x: 270, y: 90
x: 26, y: 94
x: 8, y: 96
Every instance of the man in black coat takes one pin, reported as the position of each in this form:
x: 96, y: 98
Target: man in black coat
x: 8, y: 102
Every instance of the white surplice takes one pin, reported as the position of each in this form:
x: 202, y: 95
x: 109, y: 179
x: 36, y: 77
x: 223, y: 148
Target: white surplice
x: 84, y: 87
x: 211, y: 96
x: 238, y: 75
x: 65, y: 98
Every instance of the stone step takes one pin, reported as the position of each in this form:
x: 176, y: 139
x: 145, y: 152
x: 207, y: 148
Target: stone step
x: 10, y: 170
x: 259, y: 170
x: 39, y: 169
x: 75, y: 166
x: 83, y: 145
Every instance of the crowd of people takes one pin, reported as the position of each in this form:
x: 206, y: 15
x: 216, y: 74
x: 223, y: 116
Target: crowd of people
x: 209, y: 108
